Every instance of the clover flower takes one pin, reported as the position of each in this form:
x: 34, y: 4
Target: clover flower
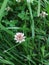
x: 19, y: 37
x: 8, y: 9
x: 18, y: 0
x: 43, y: 14
x: 30, y: 1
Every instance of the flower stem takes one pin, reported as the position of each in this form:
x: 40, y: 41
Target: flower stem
x: 32, y: 21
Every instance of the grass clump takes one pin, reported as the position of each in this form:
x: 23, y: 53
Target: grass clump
x: 30, y: 18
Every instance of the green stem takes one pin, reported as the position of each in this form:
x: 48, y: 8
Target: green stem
x: 32, y: 21
x: 3, y: 8
x: 38, y: 11
x: 11, y: 48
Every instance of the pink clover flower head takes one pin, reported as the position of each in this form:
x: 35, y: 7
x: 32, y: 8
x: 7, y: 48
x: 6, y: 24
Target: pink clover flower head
x: 19, y: 37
